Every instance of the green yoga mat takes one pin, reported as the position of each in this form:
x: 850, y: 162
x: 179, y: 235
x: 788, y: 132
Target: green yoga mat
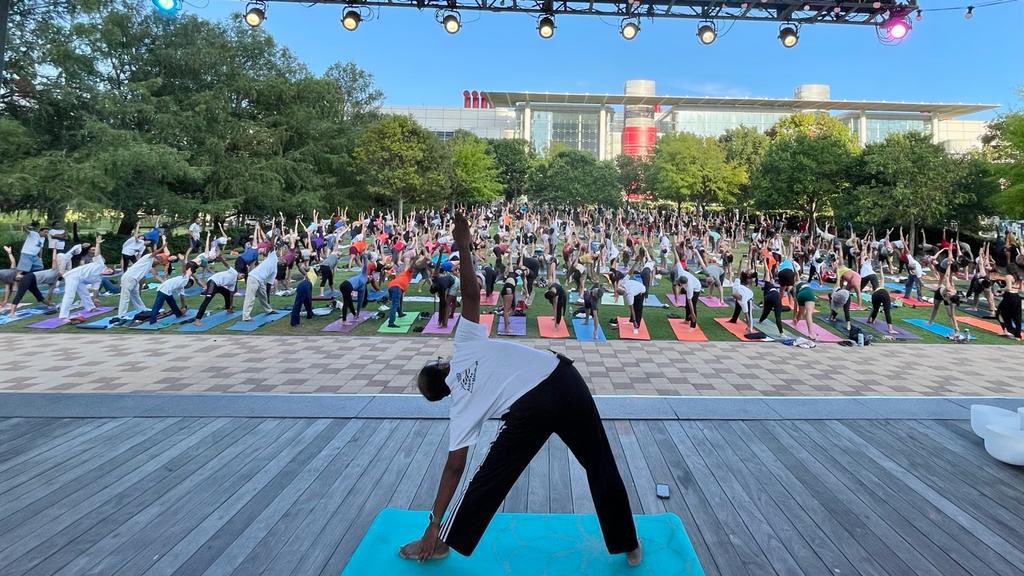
x: 553, y: 544
x: 404, y: 324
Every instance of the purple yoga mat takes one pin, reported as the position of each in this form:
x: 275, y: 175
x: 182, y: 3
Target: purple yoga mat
x: 901, y: 334
x: 516, y: 325
x: 679, y: 301
x: 58, y: 322
x: 712, y: 302
x: 819, y: 332
x: 340, y: 328
x: 433, y: 327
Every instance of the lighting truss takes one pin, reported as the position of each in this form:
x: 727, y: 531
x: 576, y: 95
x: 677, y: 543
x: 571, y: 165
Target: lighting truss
x: 803, y: 12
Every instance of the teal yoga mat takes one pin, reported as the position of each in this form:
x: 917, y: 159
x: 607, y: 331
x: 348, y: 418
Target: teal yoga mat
x: 166, y: 321
x: 939, y: 329
x: 552, y: 544
x: 210, y: 321
x: 258, y: 321
x: 585, y: 332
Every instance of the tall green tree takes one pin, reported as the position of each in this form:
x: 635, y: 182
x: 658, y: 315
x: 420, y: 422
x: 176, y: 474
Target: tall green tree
x: 689, y: 168
x: 812, y: 124
x: 473, y: 174
x: 1006, y: 145
x: 399, y: 161
x: 514, y: 158
x: 360, y: 97
x: 634, y: 174
x: 573, y: 177
x: 744, y: 146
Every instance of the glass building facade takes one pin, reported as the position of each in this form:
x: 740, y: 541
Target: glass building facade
x: 445, y: 121
x: 573, y: 129
x: 715, y: 122
x: 878, y: 128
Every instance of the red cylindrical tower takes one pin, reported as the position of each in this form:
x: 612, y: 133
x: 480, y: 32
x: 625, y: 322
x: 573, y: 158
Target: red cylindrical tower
x: 639, y: 134
x: 476, y: 98
x: 467, y: 101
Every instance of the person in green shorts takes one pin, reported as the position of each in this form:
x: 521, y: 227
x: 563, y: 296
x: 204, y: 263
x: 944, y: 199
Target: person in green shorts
x: 805, y: 299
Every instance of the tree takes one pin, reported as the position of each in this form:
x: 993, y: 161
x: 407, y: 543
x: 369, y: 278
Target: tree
x: 905, y: 179
x: 634, y: 174
x: 360, y: 98
x: 473, y: 174
x: 803, y: 172
x: 1007, y: 148
x: 811, y: 124
x: 513, y: 158
x: 689, y: 168
x: 398, y: 160
x: 573, y: 177
x: 744, y: 146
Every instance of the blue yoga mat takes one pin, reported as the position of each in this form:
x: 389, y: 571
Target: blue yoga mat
x: 167, y: 321
x: 585, y: 332
x: 21, y: 314
x: 259, y: 321
x: 895, y: 286
x: 553, y: 544
x: 376, y: 294
x: 819, y: 287
x: 210, y: 321
x: 652, y: 300
x: 940, y: 329
x: 105, y: 322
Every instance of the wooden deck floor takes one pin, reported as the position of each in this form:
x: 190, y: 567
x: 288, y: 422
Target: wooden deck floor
x: 243, y: 496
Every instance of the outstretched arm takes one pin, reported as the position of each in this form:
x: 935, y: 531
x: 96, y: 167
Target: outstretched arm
x: 467, y: 271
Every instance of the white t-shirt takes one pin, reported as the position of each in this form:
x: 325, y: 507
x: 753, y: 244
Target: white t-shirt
x: 90, y: 273
x: 195, y: 231
x: 56, y: 242
x: 914, y: 266
x: 133, y: 246
x: 266, y: 271
x: 692, y: 283
x: 226, y: 279
x: 741, y: 293
x: 487, y: 377
x: 138, y: 270
x: 173, y: 286
x: 633, y: 288
x: 33, y: 244
x: 866, y: 269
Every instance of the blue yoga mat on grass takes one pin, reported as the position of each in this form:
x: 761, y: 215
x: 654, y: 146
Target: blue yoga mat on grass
x: 166, y: 321
x: 106, y: 322
x: 940, y: 329
x: 210, y: 321
x: 818, y: 286
x: 21, y: 314
x: 552, y: 544
x: 258, y: 321
x: 895, y: 286
x: 585, y: 332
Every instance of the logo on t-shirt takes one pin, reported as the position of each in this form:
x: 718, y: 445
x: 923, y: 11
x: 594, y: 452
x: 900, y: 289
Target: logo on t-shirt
x: 467, y: 378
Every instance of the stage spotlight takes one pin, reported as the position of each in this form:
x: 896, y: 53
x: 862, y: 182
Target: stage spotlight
x: 970, y: 12
x: 451, y: 23
x: 706, y: 32
x: 546, y: 27
x: 167, y: 6
x: 789, y: 35
x: 897, y: 28
x: 629, y: 29
x: 807, y: 7
x: 255, y: 14
x: 350, y: 21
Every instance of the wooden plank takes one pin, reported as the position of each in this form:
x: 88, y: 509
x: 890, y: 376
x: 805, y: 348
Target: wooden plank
x: 8, y: 425
x: 750, y: 554
x: 883, y: 491
x: 427, y: 491
x: 45, y: 457
x: 413, y: 479
x: 676, y: 502
x: 762, y: 529
x: 31, y: 437
x: 38, y: 455
x: 813, y: 552
x: 295, y: 519
x: 620, y: 461
x: 874, y: 534
x: 190, y: 449
x: 222, y: 551
x: 582, y: 502
x: 219, y: 467
x: 777, y: 479
x: 315, y: 559
x: 311, y: 530
x: 538, y: 491
x: 638, y: 469
x: 560, y: 497
x: 968, y: 452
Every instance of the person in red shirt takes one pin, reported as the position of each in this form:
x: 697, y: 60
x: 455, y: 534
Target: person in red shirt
x: 396, y: 291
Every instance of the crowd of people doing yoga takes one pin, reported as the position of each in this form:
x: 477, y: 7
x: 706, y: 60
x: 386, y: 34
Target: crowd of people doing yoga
x: 573, y: 257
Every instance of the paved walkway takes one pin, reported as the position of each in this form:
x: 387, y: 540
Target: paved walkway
x: 282, y: 364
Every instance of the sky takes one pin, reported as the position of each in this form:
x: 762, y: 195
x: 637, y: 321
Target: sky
x: 946, y: 58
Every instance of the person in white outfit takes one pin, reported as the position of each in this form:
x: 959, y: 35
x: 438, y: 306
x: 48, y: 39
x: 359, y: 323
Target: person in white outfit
x: 131, y: 298
x: 77, y: 281
x: 256, y: 283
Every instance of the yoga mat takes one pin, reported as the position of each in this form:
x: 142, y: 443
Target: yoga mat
x: 819, y: 287
x: 104, y: 323
x: 739, y: 330
x: 609, y: 300
x: 819, y: 332
x: 487, y: 321
x: 21, y: 314
x: 322, y: 311
x: 989, y: 325
x: 166, y: 321
x: 652, y: 300
x: 681, y: 328
x: 58, y: 322
x: 769, y: 328
x: 210, y: 321
x: 546, y: 324
x: 516, y: 326
x: 485, y: 301
x: 434, y: 325
x: 895, y: 287
x: 193, y: 291
x: 345, y: 328
x: 914, y: 302
x: 677, y: 301
x: 880, y: 327
x: 376, y: 294
x: 939, y: 329
x: 585, y: 332
x: 626, y: 330
x: 554, y: 544
x: 981, y: 313
x: 259, y: 321
x: 712, y: 302
x: 853, y: 304
x: 404, y: 324
x: 430, y: 299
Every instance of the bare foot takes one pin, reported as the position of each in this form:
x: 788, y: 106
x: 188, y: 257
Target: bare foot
x: 197, y: 323
x: 411, y: 551
x: 635, y: 557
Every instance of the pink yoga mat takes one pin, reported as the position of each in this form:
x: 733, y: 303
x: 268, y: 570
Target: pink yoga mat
x: 712, y: 302
x: 819, y: 332
x: 433, y: 326
x: 340, y: 328
x: 58, y: 322
x: 485, y: 301
x: 679, y: 301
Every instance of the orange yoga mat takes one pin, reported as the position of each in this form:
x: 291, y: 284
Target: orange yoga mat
x: 989, y: 325
x: 488, y: 321
x: 626, y: 330
x: 546, y: 324
x: 739, y: 329
x: 684, y: 333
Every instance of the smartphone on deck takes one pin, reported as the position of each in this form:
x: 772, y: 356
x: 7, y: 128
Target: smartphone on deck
x: 662, y: 491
